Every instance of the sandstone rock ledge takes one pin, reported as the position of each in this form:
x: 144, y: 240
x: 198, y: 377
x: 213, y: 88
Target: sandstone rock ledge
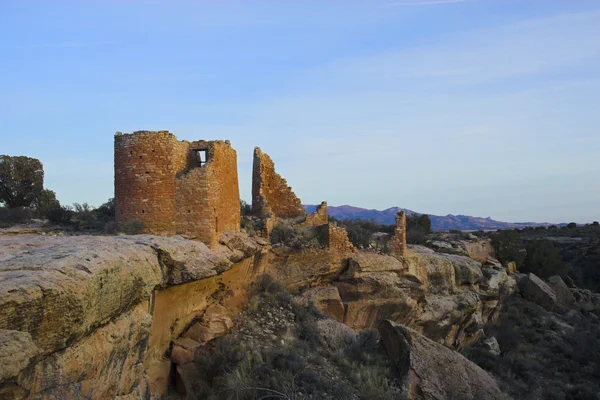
x: 96, y: 315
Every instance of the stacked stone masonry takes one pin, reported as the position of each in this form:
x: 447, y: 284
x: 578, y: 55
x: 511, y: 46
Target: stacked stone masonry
x: 398, y: 240
x: 337, y: 239
x: 319, y: 217
x: 176, y: 187
x: 271, y: 194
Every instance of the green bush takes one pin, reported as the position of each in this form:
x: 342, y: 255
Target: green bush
x: 17, y: 215
x: 540, y: 351
x: 304, y: 365
x: 286, y: 233
x: 543, y: 259
x: 245, y: 208
x: 21, y: 180
x: 58, y: 214
x: 508, y: 247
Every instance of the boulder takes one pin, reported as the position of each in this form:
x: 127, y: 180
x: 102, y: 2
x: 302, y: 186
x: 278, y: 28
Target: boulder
x: 537, y: 291
x: 491, y: 345
x: 466, y: 270
x: 433, y: 371
x: 364, y: 262
x: 440, y: 272
x: 335, y: 335
x: 327, y: 299
x: 478, y: 249
x: 564, y: 297
x: 214, y: 323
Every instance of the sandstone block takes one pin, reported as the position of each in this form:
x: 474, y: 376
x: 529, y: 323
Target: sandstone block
x: 564, y: 297
x: 327, y: 299
x: 424, y: 365
x: 537, y: 291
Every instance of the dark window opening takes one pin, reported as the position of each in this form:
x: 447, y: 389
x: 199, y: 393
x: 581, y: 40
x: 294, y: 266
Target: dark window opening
x: 147, y: 172
x: 189, y: 211
x: 130, y: 153
x: 143, y: 211
x: 140, y: 157
x: 200, y: 157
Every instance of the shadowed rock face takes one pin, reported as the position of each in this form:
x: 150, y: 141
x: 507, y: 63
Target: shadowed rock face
x: 433, y: 371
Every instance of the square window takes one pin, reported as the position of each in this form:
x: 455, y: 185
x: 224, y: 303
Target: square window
x: 200, y: 157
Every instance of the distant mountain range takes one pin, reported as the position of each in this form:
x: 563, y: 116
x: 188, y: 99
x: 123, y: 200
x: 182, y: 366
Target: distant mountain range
x: 438, y: 223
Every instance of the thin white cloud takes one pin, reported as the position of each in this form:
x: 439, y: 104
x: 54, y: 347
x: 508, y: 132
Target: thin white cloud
x: 424, y: 2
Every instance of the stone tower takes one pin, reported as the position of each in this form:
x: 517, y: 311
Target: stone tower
x: 398, y: 240
x: 176, y: 187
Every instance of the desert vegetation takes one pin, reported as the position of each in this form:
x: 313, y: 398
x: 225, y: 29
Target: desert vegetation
x: 283, y: 348
x: 544, y: 355
x: 24, y: 199
x: 571, y: 251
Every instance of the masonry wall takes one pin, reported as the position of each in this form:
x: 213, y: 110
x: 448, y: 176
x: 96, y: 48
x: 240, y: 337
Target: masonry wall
x: 158, y: 181
x: 144, y: 184
x: 398, y: 241
x: 270, y: 192
x: 319, y: 217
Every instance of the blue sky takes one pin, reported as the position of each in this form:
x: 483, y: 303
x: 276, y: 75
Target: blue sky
x: 477, y: 107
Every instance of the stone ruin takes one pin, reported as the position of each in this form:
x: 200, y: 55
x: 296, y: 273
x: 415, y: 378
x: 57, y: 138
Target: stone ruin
x: 176, y: 187
x: 271, y: 195
x: 191, y: 189
x: 397, y: 242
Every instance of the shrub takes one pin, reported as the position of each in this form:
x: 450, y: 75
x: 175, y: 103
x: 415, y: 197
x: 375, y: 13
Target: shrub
x: 245, y: 208
x: 10, y: 216
x: 416, y: 236
x: 21, y: 180
x: 308, y: 364
x: 508, y: 246
x: 360, y: 231
x: 58, y: 214
x: 543, y: 259
x: 106, y: 212
x: 134, y: 227
x: 284, y: 233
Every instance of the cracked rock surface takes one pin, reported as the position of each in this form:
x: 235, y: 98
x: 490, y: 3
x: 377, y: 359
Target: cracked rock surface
x: 56, y: 291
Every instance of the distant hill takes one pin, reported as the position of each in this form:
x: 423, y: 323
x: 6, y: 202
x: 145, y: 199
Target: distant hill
x: 438, y: 223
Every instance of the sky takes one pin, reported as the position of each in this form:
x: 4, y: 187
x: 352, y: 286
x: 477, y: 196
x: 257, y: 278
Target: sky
x: 487, y: 108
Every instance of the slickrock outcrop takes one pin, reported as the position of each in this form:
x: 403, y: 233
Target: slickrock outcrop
x: 271, y: 194
x: 98, y: 314
x: 433, y: 371
x: 448, y: 298
x: 479, y: 249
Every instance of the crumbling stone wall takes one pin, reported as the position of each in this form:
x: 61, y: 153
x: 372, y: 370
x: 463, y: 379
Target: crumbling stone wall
x: 398, y: 241
x: 271, y: 194
x: 337, y: 239
x: 319, y: 217
x: 159, y: 181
